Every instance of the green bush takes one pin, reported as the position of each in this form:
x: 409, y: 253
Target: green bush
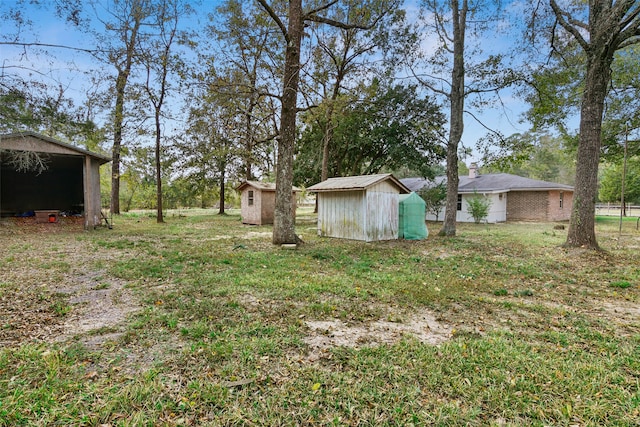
x: 478, y: 207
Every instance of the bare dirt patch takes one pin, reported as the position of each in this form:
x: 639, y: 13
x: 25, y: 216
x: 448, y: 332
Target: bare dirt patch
x: 624, y: 314
x: 99, y: 304
x: 421, y: 325
x: 390, y: 327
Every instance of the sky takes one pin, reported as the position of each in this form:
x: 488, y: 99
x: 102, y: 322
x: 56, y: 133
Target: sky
x: 47, y: 28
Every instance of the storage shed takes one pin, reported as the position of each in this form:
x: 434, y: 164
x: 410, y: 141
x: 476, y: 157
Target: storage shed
x: 258, y: 202
x: 359, y: 207
x: 68, y: 182
x: 413, y: 211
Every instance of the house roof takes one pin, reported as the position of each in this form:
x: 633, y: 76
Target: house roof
x: 263, y: 186
x: 101, y: 158
x: 489, y: 183
x: 417, y: 184
x: 350, y: 183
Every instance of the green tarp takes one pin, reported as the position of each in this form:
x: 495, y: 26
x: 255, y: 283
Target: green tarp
x: 412, y: 214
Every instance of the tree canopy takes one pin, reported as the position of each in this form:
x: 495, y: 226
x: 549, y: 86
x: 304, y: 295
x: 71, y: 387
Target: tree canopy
x: 389, y: 128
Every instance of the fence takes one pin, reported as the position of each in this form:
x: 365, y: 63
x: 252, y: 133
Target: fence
x: 609, y: 209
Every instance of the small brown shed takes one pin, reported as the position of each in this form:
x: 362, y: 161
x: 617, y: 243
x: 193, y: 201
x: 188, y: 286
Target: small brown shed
x: 70, y: 181
x: 359, y: 207
x: 258, y: 202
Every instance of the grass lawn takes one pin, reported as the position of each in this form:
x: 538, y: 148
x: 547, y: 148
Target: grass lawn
x: 202, y: 321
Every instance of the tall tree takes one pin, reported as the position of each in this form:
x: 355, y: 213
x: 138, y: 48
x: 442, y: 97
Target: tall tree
x: 160, y: 61
x: 456, y: 124
x: 247, y: 63
x: 343, y: 59
x: 450, y: 20
x: 284, y: 224
x: 214, y: 143
x: 119, y: 47
x: 601, y: 28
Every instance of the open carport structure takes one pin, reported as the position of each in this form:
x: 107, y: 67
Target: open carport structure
x: 66, y: 178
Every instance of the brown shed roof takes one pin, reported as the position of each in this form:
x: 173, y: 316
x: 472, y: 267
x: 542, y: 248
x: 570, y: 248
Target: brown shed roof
x: 264, y: 186
x: 14, y: 136
x: 361, y: 182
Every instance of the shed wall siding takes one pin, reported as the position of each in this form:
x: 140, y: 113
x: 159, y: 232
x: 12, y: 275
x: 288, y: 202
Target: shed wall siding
x: 250, y: 214
x: 342, y: 214
x: 267, y: 206
x: 383, y: 187
x: 264, y: 204
x: 382, y: 213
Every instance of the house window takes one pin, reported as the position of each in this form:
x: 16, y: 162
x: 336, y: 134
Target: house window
x: 250, y: 197
x: 500, y: 196
x: 459, y: 205
x: 561, y: 199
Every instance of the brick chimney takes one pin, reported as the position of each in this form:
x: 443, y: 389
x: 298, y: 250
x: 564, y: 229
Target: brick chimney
x: 473, y: 170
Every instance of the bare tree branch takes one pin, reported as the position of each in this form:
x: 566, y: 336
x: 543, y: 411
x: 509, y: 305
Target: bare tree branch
x: 428, y: 84
x: 631, y: 33
x: 321, y: 8
x: 275, y: 18
x: 343, y: 25
x: 633, y: 16
x: 631, y: 41
x: 481, y: 123
x: 562, y: 16
x: 57, y: 46
x: 338, y: 24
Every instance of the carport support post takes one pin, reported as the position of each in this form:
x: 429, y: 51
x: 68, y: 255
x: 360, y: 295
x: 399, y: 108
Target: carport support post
x: 88, y: 194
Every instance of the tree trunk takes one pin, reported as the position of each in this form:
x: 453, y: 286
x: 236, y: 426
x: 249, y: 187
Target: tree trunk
x: 329, y: 130
x: 451, y: 207
x: 283, y: 221
x: 121, y: 83
x: 456, y: 119
x: 223, y: 167
x: 118, y: 118
x: 326, y: 142
x: 249, y: 136
x: 159, y: 217
x: 582, y: 226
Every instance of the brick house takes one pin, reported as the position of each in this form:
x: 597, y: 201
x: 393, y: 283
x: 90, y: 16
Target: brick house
x: 512, y: 197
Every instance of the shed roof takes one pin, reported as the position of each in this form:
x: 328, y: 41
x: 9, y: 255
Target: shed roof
x: 100, y: 157
x: 264, y: 186
x: 362, y: 182
x: 489, y: 183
